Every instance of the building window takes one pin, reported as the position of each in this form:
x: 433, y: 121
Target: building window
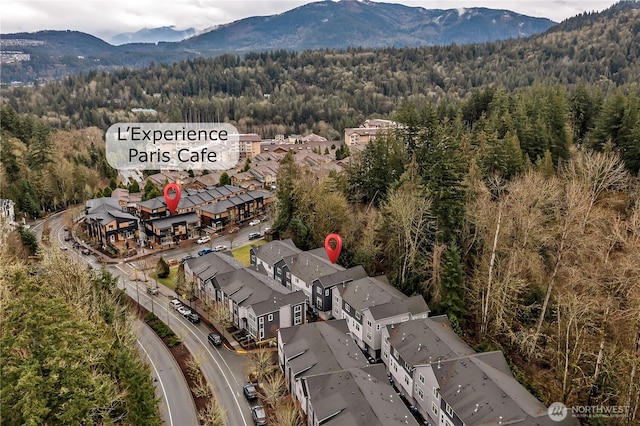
x: 358, y: 316
x: 406, y: 380
x: 297, y: 309
x: 449, y: 410
x: 377, y: 327
x: 436, y: 394
x: 319, y: 303
x: 434, y: 409
x: 319, y: 290
x: 261, y: 334
x: 368, y: 335
x: 270, y: 318
x: 420, y: 394
x: 347, y: 307
x: 421, y: 378
x: 261, y: 320
x: 403, y: 319
x: 369, y: 323
x: 357, y: 327
x: 326, y: 292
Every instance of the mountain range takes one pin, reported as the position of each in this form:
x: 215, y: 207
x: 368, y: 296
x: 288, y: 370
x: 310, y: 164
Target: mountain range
x: 325, y: 24
x: 152, y: 35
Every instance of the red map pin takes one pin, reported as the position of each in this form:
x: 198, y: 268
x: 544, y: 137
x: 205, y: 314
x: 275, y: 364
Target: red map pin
x: 333, y: 252
x: 172, y: 203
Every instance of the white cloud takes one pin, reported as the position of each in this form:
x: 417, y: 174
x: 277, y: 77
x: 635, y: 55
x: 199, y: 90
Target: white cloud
x: 107, y: 18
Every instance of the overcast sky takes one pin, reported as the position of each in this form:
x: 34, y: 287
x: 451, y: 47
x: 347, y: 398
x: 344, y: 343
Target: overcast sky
x: 107, y: 18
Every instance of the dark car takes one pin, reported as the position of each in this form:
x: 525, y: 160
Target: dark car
x: 86, y: 251
x: 250, y: 391
x: 258, y: 415
x: 254, y: 235
x: 214, y: 339
x: 187, y: 257
x: 205, y: 251
x: 193, y: 317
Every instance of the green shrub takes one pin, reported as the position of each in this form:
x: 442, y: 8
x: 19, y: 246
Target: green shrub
x: 173, y: 341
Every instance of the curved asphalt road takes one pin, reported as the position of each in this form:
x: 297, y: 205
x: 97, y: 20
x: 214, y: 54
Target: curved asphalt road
x: 176, y: 403
x: 222, y: 368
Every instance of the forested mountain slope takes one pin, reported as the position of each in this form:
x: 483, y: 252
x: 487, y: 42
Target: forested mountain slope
x: 342, y: 88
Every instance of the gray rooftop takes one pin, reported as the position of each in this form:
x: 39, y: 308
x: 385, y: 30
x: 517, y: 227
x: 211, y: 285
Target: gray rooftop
x: 97, y: 202
x: 308, y: 267
x: 481, y: 390
x: 211, y: 264
x: 167, y: 222
x: 359, y: 396
x: 320, y: 347
x: 350, y: 274
x: 246, y: 287
x: 413, y: 305
x: 193, y: 197
x: 277, y: 300
x: 424, y: 341
x: 274, y: 251
x: 369, y: 292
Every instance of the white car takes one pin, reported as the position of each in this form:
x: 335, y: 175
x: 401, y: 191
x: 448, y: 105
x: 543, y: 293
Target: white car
x: 220, y: 248
x: 184, y: 311
x: 204, y: 240
x: 175, y: 304
x: 254, y: 222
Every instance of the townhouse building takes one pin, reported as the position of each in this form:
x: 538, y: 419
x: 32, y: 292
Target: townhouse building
x: 244, y: 291
x: 107, y: 221
x: 322, y: 287
x: 450, y: 384
x: 358, y: 396
x: 316, y: 348
x: 266, y: 256
x: 201, y: 270
x: 368, y: 304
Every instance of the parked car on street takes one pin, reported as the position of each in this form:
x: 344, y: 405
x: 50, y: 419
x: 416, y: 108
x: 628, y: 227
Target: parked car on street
x: 254, y: 222
x: 205, y: 251
x: 154, y: 291
x: 234, y: 230
x: 175, y: 303
x: 204, y: 240
x: 193, y: 317
x: 187, y: 257
x: 254, y: 235
x: 220, y: 248
x: 214, y: 339
x: 184, y: 311
x: 258, y: 415
x: 86, y: 251
x: 250, y: 391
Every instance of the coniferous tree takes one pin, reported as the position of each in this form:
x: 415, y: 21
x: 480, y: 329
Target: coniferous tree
x: 453, y: 287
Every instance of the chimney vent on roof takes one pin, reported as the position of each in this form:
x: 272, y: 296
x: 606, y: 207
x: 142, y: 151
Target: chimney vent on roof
x: 438, y: 363
x: 476, y: 410
x: 459, y: 389
x: 419, y: 346
x: 403, y: 336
